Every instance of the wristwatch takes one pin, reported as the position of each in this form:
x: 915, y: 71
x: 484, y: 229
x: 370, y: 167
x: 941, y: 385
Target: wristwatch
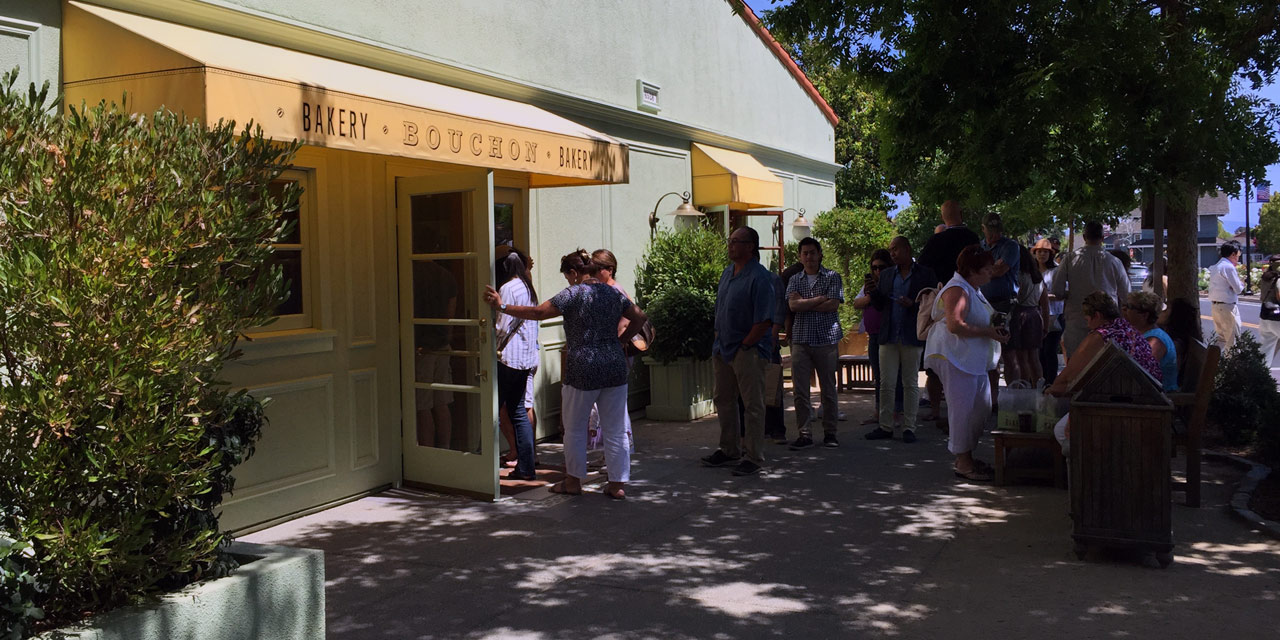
x: 502, y: 307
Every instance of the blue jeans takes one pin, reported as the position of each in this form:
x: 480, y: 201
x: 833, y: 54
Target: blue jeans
x: 511, y: 384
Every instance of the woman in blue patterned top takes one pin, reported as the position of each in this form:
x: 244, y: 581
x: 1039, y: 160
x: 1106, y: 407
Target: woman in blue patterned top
x: 595, y: 367
x: 1141, y: 310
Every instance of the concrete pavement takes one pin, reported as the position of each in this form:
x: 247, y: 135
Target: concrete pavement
x: 873, y: 539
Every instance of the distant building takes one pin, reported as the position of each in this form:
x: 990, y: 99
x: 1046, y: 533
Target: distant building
x: 1210, y: 208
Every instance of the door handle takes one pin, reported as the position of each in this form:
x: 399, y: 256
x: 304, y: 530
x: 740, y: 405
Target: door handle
x: 482, y: 375
x: 483, y: 333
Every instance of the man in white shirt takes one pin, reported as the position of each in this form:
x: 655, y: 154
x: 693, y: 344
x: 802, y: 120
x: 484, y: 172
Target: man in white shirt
x: 1083, y: 271
x: 1224, y: 292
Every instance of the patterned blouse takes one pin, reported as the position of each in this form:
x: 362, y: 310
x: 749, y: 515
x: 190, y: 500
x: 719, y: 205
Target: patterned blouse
x: 593, y: 355
x: 1126, y: 337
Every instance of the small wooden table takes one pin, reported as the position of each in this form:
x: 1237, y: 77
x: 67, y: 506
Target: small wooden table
x: 1005, y: 440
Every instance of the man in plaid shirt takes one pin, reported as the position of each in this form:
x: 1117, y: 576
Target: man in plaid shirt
x: 814, y: 296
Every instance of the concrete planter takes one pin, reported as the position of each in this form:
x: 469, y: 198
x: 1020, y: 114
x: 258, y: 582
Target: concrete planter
x: 277, y: 593
x: 681, y: 390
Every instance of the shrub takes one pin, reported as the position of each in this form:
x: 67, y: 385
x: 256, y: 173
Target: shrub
x: 676, y: 285
x: 1245, y: 395
x: 848, y: 237
x: 680, y: 325
x: 132, y: 255
x: 691, y: 259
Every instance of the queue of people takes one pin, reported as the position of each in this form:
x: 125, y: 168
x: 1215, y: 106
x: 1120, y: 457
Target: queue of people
x: 991, y: 301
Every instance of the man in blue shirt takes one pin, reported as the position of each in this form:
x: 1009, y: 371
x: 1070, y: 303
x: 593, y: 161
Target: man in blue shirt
x: 745, y: 306
x: 900, y: 347
x: 1003, y: 288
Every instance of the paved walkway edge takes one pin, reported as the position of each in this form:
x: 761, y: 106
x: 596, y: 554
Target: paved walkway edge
x: 1244, y: 491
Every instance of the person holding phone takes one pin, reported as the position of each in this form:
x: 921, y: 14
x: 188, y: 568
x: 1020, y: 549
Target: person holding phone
x: 962, y: 347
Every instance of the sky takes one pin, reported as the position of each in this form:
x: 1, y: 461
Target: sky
x: 1233, y: 219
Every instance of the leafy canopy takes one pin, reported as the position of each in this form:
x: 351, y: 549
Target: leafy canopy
x: 1087, y: 103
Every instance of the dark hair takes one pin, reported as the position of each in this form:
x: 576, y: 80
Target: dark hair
x: 606, y: 260
x: 1028, y: 264
x: 881, y: 255
x: 809, y: 241
x: 579, y: 261
x: 1100, y: 302
x: 1183, y: 321
x: 973, y: 259
x: 1228, y: 249
x: 1123, y: 257
x: 1093, y: 231
x: 516, y: 265
x: 754, y: 237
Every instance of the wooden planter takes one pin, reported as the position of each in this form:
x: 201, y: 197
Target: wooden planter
x: 680, y: 391
x: 1120, y: 439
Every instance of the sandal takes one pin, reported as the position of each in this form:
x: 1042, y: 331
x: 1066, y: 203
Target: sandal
x: 560, y: 488
x: 975, y: 475
x: 615, y: 494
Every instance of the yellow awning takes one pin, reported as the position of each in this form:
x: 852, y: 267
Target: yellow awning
x: 721, y: 177
x: 320, y: 101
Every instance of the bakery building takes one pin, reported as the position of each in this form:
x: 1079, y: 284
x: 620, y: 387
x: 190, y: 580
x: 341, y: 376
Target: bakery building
x: 433, y: 132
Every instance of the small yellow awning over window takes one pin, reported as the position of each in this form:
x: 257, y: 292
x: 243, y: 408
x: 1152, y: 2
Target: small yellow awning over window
x: 322, y: 102
x: 724, y: 177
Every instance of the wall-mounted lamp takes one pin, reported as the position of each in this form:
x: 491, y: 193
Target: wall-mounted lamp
x: 801, y: 228
x: 686, y: 215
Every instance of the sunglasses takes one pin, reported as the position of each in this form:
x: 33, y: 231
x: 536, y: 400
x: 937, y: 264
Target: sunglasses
x: 877, y: 267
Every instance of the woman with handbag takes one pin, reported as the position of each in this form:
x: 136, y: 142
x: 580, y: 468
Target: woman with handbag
x: 638, y: 344
x: 962, y: 346
x: 1269, y: 314
x: 595, y: 370
x: 517, y: 341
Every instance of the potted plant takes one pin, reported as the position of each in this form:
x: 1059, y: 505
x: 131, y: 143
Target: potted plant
x: 133, y: 252
x: 676, y: 286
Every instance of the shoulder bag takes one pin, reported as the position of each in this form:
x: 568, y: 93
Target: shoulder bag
x: 924, y: 313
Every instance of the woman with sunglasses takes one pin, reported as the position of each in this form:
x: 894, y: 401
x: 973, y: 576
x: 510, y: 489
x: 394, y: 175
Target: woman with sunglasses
x: 871, y: 320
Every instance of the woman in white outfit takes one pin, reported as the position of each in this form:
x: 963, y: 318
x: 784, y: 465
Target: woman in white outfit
x: 961, y: 348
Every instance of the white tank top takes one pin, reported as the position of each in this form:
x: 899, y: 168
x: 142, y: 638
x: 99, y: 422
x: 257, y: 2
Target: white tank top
x: 974, y: 356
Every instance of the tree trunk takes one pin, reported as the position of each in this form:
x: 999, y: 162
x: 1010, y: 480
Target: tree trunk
x: 1182, y: 220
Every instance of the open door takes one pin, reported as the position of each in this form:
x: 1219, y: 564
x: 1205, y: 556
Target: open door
x: 445, y: 242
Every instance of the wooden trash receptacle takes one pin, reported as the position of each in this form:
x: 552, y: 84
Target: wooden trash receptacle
x: 1119, y: 459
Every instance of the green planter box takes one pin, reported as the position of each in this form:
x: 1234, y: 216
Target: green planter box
x: 680, y: 391
x: 277, y: 593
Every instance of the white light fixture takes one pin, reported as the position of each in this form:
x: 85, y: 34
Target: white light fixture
x: 686, y: 215
x: 801, y: 228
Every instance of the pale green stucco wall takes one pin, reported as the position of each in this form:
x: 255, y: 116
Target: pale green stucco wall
x: 715, y: 73
x: 29, y: 32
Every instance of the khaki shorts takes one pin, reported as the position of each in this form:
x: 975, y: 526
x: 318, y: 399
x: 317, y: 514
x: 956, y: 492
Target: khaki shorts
x: 431, y: 367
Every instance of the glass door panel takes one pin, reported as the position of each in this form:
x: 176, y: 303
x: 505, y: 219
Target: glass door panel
x: 445, y: 260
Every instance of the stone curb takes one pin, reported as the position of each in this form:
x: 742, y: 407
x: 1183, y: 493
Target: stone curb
x: 1240, y: 499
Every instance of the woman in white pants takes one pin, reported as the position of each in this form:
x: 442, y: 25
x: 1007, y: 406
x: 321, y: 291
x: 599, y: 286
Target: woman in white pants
x: 961, y: 348
x: 595, y: 367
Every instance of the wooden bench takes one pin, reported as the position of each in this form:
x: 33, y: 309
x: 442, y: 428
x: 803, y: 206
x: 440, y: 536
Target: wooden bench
x: 1191, y: 408
x: 1006, y: 440
x: 855, y: 373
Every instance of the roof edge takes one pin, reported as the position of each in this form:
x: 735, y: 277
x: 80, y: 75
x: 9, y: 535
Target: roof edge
x: 787, y: 61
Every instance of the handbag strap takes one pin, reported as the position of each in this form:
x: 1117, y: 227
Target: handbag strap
x: 515, y: 327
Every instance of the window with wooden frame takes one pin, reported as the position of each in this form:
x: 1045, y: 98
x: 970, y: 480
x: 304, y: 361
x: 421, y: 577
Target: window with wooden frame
x: 294, y: 254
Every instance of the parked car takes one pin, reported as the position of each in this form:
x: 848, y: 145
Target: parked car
x: 1138, y: 273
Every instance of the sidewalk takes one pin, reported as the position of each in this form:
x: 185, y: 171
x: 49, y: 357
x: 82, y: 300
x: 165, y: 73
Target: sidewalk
x: 874, y: 539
